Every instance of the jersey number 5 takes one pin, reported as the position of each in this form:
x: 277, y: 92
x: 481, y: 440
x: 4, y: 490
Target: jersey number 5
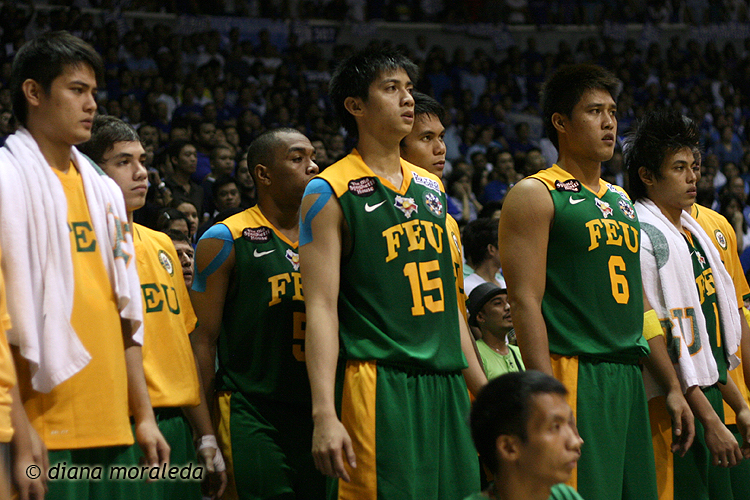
x: 298, y: 341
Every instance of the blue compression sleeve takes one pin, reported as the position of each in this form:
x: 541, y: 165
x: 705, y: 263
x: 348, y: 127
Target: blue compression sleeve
x: 219, y: 232
x: 319, y: 187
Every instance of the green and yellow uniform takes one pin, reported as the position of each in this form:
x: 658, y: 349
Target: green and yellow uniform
x: 168, y: 362
x: 593, y: 310
x: 402, y: 397
x: 265, y: 406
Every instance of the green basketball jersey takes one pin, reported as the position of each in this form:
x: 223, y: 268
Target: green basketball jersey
x: 397, y: 301
x: 262, y: 339
x: 704, y: 282
x: 593, y: 301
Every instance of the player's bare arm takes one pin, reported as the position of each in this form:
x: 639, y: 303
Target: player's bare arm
x: 209, y: 307
x: 745, y: 346
x: 320, y: 261
x: 474, y: 374
x: 525, y: 222
x: 27, y: 449
x: 147, y: 434
x: 732, y: 395
x: 720, y: 441
x: 661, y: 367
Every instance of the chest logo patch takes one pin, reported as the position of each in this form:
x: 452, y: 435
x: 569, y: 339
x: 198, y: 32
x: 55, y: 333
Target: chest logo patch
x: 626, y: 208
x: 604, y: 207
x: 362, y: 187
x: 720, y: 239
x: 293, y: 258
x: 433, y: 204
x: 166, y: 262
x: 407, y: 205
x: 257, y: 234
x: 701, y: 259
x: 570, y: 185
x: 426, y: 182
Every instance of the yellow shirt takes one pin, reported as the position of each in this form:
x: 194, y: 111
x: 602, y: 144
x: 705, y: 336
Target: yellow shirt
x: 725, y: 240
x: 454, y: 234
x: 168, y: 316
x: 7, y: 372
x: 90, y: 409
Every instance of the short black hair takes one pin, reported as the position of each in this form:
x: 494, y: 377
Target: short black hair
x: 426, y: 105
x: 175, y: 235
x: 658, y: 134
x: 45, y: 58
x: 174, y: 148
x: 503, y: 407
x: 221, y: 182
x: 562, y: 91
x: 476, y: 236
x: 263, y: 148
x: 354, y: 75
x: 106, y: 131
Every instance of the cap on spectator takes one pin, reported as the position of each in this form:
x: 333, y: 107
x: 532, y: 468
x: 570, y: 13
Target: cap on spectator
x: 479, y: 297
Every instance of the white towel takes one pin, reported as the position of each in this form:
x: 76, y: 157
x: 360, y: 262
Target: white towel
x: 669, y: 285
x: 37, y: 260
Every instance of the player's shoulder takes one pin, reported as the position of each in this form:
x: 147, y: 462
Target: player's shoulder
x: 555, y: 178
x: 152, y: 236
x: 247, y: 219
x: 347, y: 174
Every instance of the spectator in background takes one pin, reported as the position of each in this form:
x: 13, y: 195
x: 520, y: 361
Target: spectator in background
x: 245, y: 182
x: 480, y: 245
x: 182, y: 158
x: 171, y: 219
x: 489, y: 311
x: 204, y: 139
x: 185, y: 253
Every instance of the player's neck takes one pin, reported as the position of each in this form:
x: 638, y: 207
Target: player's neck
x: 672, y: 214
x: 382, y: 155
x: 487, y: 271
x: 519, y: 487
x: 283, y: 218
x: 57, y: 154
x: 586, y: 171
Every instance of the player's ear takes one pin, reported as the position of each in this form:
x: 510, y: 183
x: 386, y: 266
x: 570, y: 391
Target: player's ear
x: 647, y: 177
x: 558, y: 121
x: 32, y: 91
x: 353, y: 105
x: 508, y: 447
x: 262, y: 174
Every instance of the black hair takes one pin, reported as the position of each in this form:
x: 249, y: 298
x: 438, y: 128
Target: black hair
x: 174, y: 149
x: 562, y: 91
x: 176, y: 236
x: 476, y: 236
x: 503, y: 407
x: 215, y: 151
x: 45, y: 58
x: 263, y: 149
x: 658, y: 134
x: 106, y: 131
x: 354, y: 75
x: 167, y: 216
x: 426, y: 105
x: 221, y: 182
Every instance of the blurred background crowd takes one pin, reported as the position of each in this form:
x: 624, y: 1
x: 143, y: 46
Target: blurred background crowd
x: 200, y: 79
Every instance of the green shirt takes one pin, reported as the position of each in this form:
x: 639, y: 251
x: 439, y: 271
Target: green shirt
x: 496, y: 364
x: 559, y: 492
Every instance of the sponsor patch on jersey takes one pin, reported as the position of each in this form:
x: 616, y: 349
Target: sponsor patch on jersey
x: 570, y: 185
x: 604, y: 207
x: 433, y: 204
x: 407, y: 205
x: 618, y: 190
x: 626, y: 208
x: 362, y: 187
x: 293, y: 258
x: 720, y: 239
x: 426, y: 182
x: 166, y: 262
x: 257, y: 234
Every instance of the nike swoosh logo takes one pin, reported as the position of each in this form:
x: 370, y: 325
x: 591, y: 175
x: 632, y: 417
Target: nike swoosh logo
x: 370, y: 208
x: 261, y: 254
x: 576, y: 201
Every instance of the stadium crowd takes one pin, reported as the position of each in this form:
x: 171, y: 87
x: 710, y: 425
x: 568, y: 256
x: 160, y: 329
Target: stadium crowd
x: 208, y: 115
